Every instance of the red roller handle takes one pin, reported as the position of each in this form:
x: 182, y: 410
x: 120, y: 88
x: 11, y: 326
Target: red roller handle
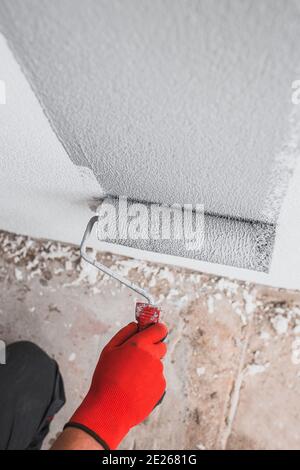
x: 146, y: 314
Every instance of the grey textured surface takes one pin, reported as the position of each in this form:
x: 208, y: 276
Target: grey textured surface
x: 243, y: 244
x: 167, y: 101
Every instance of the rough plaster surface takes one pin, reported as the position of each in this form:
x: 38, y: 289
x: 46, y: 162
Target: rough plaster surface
x: 233, y: 361
x: 166, y: 101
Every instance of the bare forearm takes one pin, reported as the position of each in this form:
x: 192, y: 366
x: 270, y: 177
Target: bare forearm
x: 75, y: 439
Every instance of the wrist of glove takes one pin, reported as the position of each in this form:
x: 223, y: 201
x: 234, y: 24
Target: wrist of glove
x: 127, y: 384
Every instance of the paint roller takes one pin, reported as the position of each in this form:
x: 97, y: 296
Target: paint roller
x: 146, y: 313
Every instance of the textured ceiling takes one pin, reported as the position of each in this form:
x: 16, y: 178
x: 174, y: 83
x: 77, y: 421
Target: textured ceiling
x: 166, y: 101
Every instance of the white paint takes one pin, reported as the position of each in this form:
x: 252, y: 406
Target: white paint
x: 201, y: 446
x: 88, y: 273
x: 72, y: 357
x: 69, y: 266
x: 43, y: 193
x: 254, y: 369
x: 250, y: 304
x: 2, y: 92
x: 285, y: 268
x: 280, y: 324
x: 295, y: 356
x: 210, y: 304
x: 264, y: 335
x: 18, y: 274
x: 200, y: 371
x: 296, y: 92
x: 227, y: 285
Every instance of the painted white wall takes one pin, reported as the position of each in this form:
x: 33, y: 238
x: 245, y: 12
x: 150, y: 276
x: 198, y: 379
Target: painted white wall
x: 43, y: 193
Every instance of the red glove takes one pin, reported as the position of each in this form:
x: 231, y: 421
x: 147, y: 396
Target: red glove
x: 127, y: 384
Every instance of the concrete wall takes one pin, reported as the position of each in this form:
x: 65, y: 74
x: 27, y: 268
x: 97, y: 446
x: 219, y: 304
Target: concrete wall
x: 162, y: 101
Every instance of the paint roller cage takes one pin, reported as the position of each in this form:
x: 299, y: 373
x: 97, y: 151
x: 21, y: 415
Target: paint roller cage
x: 185, y: 231
x: 129, y: 220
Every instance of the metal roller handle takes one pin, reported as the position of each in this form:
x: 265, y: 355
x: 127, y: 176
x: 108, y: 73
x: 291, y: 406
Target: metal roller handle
x: 104, y: 268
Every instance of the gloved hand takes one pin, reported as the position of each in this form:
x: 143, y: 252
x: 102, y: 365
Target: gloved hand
x: 127, y: 384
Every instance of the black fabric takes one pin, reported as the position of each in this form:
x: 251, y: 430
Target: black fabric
x: 31, y: 393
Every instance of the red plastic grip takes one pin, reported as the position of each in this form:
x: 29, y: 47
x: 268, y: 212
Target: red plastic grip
x: 146, y: 314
